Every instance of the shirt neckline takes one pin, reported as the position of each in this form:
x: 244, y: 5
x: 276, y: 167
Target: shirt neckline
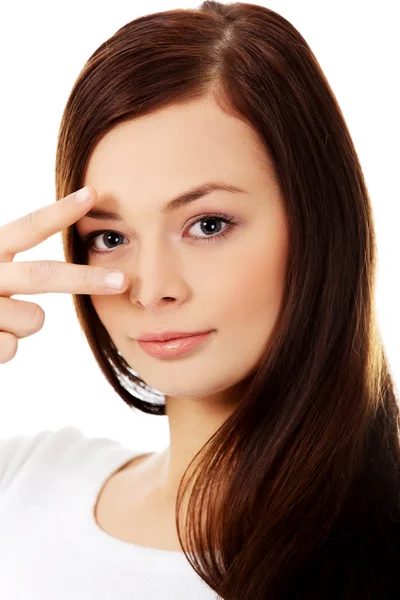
x: 94, y: 540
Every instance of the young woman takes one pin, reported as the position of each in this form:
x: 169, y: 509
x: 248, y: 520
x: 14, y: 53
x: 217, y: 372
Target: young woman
x: 223, y: 183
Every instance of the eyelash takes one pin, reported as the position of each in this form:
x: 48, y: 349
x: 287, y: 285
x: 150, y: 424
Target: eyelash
x: 88, y: 240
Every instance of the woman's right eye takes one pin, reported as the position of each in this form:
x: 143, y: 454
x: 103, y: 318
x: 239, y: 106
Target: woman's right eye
x: 89, y: 240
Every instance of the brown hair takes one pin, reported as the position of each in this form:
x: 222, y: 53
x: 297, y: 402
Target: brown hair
x: 311, y: 457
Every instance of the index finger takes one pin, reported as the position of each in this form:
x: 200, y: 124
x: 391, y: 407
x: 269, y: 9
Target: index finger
x: 30, y: 230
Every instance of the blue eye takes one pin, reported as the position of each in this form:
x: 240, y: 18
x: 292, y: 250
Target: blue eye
x: 89, y: 239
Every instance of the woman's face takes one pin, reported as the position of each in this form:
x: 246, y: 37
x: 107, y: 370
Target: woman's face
x: 229, y: 280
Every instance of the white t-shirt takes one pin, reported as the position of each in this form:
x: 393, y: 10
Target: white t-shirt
x: 51, y: 546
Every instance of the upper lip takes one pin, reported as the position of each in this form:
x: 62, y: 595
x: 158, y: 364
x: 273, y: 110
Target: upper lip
x: 168, y: 335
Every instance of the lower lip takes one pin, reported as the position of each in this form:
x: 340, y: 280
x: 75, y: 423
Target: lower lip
x: 173, y: 347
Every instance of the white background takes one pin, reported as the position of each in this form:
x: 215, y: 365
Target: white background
x: 54, y: 381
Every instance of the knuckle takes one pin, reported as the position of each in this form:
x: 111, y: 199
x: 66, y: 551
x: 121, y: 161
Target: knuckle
x: 31, y: 319
x: 41, y: 271
x: 25, y: 318
x: 30, y: 219
x: 37, y: 316
x: 89, y: 277
x: 9, y: 347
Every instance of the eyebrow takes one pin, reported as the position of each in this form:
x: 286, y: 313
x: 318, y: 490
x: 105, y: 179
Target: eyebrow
x: 174, y: 204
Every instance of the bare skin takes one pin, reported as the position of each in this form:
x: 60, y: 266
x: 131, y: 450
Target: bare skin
x: 128, y: 509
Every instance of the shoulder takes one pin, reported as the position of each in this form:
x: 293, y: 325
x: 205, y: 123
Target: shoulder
x: 21, y: 455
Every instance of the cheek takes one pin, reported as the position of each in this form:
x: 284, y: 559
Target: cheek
x: 252, y: 301
x: 251, y: 288
x: 107, y: 308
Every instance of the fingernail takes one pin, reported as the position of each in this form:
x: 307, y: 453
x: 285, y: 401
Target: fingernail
x: 114, y: 280
x: 82, y: 195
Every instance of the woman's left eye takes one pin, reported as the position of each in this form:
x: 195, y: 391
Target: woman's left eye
x: 89, y: 239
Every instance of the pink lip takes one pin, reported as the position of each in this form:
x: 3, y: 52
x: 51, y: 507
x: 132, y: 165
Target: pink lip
x: 174, y: 347
x: 168, y: 335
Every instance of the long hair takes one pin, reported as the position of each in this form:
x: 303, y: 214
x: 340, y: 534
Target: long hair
x: 297, y: 493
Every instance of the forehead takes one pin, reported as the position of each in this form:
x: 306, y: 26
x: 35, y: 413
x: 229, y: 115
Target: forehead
x: 186, y: 143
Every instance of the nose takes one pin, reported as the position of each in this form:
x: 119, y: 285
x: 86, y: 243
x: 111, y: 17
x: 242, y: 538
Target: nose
x: 157, y: 283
